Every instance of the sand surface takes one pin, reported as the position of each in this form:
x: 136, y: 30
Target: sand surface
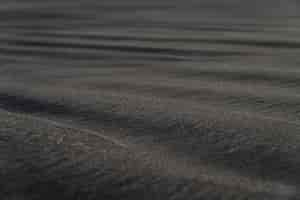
x: 158, y: 100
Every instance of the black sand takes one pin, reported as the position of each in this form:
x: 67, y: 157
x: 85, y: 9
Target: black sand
x: 149, y: 100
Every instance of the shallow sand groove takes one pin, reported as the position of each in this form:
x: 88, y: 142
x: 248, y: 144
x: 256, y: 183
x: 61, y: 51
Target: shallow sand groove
x: 149, y: 100
x: 46, y: 159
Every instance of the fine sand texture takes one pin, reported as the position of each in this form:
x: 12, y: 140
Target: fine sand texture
x: 150, y: 100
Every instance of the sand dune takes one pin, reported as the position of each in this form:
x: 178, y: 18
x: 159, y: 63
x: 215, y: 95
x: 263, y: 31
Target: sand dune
x: 149, y: 100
